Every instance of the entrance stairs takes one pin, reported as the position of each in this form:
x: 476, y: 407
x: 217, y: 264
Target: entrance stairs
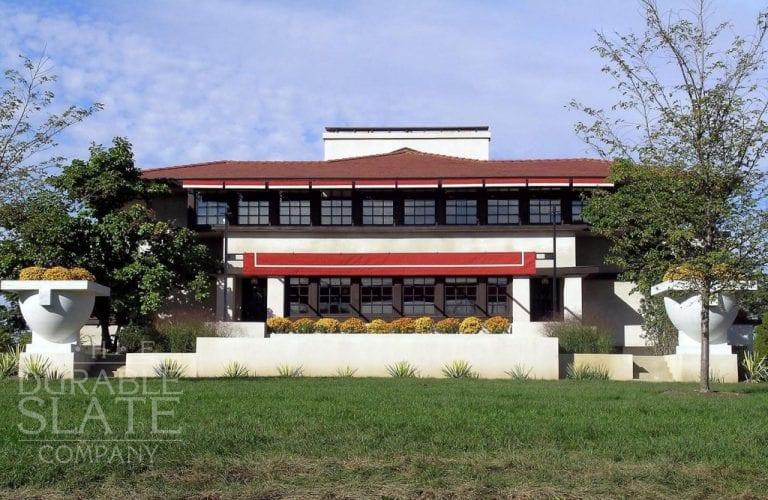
x: 651, y: 369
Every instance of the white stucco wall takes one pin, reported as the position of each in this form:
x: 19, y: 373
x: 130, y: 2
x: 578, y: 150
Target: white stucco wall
x: 462, y: 143
x: 322, y: 355
x: 612, y: 305
x: 369, y: 242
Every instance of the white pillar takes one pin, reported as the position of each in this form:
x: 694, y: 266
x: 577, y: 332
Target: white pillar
x: 231, y: 305
x: 572, y: 298
x: 275, y: 297
x: 521, y: 300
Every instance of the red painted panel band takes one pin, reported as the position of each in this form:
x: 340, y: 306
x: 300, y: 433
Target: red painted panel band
x: 390, y: 264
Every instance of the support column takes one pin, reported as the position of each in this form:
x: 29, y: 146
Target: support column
x: 275, y: 297
x: 521, y: 300
x: 231, y: 298
x: 572, y: 298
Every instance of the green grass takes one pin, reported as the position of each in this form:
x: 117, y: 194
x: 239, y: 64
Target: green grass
x: 413, y: 437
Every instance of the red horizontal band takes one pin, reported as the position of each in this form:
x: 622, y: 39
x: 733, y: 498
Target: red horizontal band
x: 390, y: 264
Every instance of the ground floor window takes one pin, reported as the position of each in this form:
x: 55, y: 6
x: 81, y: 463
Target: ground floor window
x: 419, y: 296
x: 542, y: 306
x: 496, y: 293
x: 392, y: 297
x: 460, y: 296
x: 376, y: 296
x: 298, y: 296
x: 335, y: 295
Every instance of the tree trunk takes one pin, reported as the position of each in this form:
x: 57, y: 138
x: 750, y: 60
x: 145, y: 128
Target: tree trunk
x: 704, y: 374
x: 102, y: 314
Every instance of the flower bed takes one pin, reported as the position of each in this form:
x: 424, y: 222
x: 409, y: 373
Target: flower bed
x: 422, y: 325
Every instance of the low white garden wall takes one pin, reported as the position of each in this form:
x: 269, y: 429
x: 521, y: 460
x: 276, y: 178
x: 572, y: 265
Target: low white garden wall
x: 619, y: 366
x: 143, y: 364
x: 322, y: 355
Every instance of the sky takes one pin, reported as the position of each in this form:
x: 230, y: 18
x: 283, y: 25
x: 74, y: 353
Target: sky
x: 190, y: 81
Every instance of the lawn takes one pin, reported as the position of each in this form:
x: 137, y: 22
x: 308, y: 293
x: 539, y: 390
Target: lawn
x: 400, y: 438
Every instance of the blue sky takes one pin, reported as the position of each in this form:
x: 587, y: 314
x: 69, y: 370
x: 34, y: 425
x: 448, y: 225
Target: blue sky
x: 190, y: 81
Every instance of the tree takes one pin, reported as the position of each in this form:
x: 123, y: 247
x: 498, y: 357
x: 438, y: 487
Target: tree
x: 95, y: 217
x: 27, y: 131
x: 690, y: 120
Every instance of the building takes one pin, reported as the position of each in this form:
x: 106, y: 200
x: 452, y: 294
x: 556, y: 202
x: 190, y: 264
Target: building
x: 404, y: 222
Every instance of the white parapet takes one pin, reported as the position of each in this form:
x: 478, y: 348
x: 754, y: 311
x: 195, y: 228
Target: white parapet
x: 572, y: 298
x: 368, y: 354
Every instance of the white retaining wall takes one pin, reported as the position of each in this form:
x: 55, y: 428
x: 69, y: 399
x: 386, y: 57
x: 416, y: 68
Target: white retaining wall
x: 323, y: 354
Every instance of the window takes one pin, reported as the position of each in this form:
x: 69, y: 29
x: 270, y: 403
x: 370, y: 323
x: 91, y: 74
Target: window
x: 294, y: 212
x: 460, y: 296
x: 210, y: 210
x: 336, y: 212
x: 378, y: 213
x: 418, y: 296
x: 335, y: 296
x: 252, y: 212
x: 497, y: 296
x: 503, y: 212
x: 419, y: 212
x: 576, y: 207
x: 298, y: 296
x: 542, y: 211
x: 461, y: 212
x: 376, y: 296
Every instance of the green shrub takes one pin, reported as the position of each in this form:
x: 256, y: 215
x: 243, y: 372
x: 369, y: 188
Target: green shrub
x: 448, y: 325
x: 304, y: 325
x: 6, y: 340
x: 402, y: 369
x: 139, y: 338
x: 346, y: 372
x: 760, y: 342
x: 37, y: 366
x: 236, y: 370
x: 290, y: 371
x: 459, y: 369
x: 519, y: 372
x: 170, y: 368
x: 9, y: 362
x: 586, y: 372
x: 24, y: 339
x: 577, y: 338
x: 755, y: 367
x: 181, y: 336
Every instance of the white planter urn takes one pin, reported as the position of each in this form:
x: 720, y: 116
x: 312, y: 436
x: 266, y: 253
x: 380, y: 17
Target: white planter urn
x: 686, y: 315
x: 55, y: 311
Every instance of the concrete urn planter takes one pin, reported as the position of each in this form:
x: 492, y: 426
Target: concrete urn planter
x: 55, y: 310
x: 686, y: 314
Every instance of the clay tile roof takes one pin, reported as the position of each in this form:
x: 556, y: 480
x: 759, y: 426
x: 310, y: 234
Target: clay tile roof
x: 403, y: 163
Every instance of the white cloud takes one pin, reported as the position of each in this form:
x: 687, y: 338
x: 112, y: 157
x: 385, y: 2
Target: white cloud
x: 192, y: 81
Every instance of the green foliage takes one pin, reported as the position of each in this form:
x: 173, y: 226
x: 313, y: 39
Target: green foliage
x: 290, y: 371
x: 6, y: 340
x: 9, y: 362
x: 170, y: 368
x: 236, y: 370
x: 755, y: 367
x: 402, y: 369
x: 760, y: 340
x: 519, y: 372
x: 37, y: 366
x: 140, y: 338
x: 586, y: 372
x: 346, y: 372
x: 459, y: 368
x: 577, y: 338
x: 181, y: 336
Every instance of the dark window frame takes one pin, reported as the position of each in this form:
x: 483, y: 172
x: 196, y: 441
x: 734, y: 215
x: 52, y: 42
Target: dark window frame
x: 470, y: 215
x: 332, y: 292
x: 416, y: 292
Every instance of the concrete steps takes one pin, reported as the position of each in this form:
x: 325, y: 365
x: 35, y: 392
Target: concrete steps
x: 651, y: 369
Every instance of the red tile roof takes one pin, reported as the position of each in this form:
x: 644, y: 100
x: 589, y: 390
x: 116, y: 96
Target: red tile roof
x: 403, y: 163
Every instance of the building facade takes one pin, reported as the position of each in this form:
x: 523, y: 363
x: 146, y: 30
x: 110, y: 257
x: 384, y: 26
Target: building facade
x: 404, y: 222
